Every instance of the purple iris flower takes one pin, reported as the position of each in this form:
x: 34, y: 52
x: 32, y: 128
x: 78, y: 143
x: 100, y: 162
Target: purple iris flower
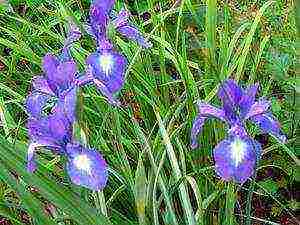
x: 236, y: 156
x: 100, y: 21
x: 55, y: 91
x: 52, y: 128
x: 106, y: 67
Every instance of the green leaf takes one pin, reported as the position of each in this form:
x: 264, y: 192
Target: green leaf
x: 269, y: 185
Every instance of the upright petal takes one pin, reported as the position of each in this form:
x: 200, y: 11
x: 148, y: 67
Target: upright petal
x: 35, y: 103
x: 60, y: 128
x: 109, y: 68
x: 247, y: 100
x: 230, y: 94
x: 134, y: 34
x: 63, y: 77
x: 86, y: 167
x: 50, y: 63
x: 104, y: 6
x: 235, y: 159
x: 54, y: 129
x: 268, y: 124
x: 204, y: 111
x: 99, y: 15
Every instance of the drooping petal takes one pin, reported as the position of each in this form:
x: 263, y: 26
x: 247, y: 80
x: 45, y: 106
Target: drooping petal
x: 134, y: 34
x: 86, y: 167
x: 269, y: 124
x: 35, y: 103
x: 63, y: 77
x: 109, y: 68
x: 259, y: 107
x: 230, y: 94
x: 40, y: 84
x: 31, y: 164
x: 54, y: 129
x: 247, y: 100
x: 105, y: 91
x: 196, y: 129
x: 235, y: 158
x: 204, y: 111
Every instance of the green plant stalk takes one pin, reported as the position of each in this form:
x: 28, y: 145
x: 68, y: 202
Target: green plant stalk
x: 230, y: 203
x: 100, y: 202
x: 211, y: 24
x: 186, y: 204
x: 249, y: 39
x: 249, y: 200
x: 257, y: 59
x: 156, y: 171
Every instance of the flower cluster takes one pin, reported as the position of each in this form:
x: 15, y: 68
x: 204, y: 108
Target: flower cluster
x: 106, y: 67
x: 237, y: 155
x: 51, y: 105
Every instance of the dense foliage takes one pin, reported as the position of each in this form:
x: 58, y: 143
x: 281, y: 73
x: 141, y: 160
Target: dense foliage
x: 144, y: 111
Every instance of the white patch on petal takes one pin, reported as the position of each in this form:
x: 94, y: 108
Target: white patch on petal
x: 106, y: 63
x: 238, y: 149
x: 82, y: 162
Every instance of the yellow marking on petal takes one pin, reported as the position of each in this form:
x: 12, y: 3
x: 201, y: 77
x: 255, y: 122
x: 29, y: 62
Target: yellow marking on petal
x: 238, y: 149
x: 106, y: 63
x: 82, y: 162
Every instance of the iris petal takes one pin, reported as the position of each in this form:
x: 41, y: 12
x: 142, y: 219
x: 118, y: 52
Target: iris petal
x: 204, y: 111
x: 248, y: 100
x: 134, y: 34
x: 63, y: 77
x: 230, y: 94
x: 40, y: 84
x: 259, y: 107
x: 35, y: 103
x: 67, y: 104
x: 268, y: 124
x: 235, y: 159
x: 50, y: 63
x: 99, y: 15
x: 109, y: 68
x: 122, y: 18
x: 86, y: 167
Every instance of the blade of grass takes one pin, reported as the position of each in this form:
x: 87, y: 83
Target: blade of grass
x: 249, y: 39
x: 257, y: 59
x: 186, y: 204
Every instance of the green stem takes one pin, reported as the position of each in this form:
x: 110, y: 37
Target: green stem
x: 230, y: 203
x: 186, y: 204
